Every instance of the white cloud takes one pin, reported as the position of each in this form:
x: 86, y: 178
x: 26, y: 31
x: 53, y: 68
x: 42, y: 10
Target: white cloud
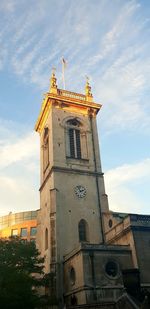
x: 3, y: 55
x: 111, y: 40
x: 128, y: 116
x: 127, y: 173
x: 38, y: 43
x: 17, y: 194
x: 115, y: 44
x: 19, y: 169
x: 8, y: 5
x: 23, y: 148
x: 119, y: 182
x: 122, y: 89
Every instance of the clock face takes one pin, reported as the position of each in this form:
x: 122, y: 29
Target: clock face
x: 80, y: 191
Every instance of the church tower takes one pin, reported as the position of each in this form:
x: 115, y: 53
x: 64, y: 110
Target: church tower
x: 72, y: 194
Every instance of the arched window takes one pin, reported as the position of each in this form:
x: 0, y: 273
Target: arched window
x: 74, y: 300
x: 72, y: 275
x: 46, y: 239
x: 83, y: 230
x: 73, y: 139
x: 45, y: 148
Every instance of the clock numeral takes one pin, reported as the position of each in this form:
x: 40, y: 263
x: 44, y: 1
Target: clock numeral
x: 80, y: 191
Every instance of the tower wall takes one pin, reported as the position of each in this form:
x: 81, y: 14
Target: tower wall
x: 72, y: 193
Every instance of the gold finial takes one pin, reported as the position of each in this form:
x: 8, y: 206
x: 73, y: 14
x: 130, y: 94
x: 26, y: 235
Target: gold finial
x: 53, y: 85
x: 88, y: 92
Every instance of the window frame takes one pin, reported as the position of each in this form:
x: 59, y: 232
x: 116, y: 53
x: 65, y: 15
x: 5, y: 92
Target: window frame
x: 73, y: 127
x: 35, y: 230
x: 25, y: 229
x: 83, y: 231
x: 45, y: 148
x: 112, y: 269
x: 14, y: 235
x: 46, y: 238
x: 74, y: 143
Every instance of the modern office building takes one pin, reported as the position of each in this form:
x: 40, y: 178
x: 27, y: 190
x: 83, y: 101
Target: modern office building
x: 22, y: 224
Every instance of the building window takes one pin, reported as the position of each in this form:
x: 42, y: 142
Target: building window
x: 72, y: 275
x: 14, y: 232
x: 45, y: 148
x: 112, y: 269
x: 74, y: 300
x: 73, y: 139
x: 46, y: 239
x: 74, y: 143
x: 24, y: 232
x: 110, y: 223
x: 83, y: 230
x: 33, y: 231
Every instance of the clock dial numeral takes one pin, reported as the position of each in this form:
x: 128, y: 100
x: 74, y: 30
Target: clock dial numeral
x: 80, y: 191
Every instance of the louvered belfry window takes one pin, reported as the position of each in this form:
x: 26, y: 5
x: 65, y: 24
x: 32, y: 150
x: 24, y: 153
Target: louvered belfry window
x: 74, y: 140
x: 46, y: 148
x: 71, y: 142
x: 78, y: 143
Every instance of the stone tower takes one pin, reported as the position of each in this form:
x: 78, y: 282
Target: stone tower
x: 72, y: 194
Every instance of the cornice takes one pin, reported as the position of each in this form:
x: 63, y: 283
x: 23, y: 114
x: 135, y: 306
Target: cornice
x: 62, y: 101
x: 70, y: 171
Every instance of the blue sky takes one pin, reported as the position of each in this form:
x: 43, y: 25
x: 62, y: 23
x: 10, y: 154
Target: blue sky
x: 108, y: 40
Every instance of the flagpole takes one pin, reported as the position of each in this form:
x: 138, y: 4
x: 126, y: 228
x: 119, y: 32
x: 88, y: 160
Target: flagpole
x: 63, y: 72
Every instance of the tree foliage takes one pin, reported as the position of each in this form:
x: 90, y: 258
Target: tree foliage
x: 21, y: 272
